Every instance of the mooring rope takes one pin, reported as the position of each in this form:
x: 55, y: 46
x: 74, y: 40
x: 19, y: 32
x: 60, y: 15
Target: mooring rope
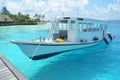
x: 28, y: 63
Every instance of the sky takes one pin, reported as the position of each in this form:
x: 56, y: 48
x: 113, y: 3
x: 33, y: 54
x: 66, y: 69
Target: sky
x: 97, y: 9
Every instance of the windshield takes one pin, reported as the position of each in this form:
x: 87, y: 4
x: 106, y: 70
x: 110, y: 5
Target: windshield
x: 63, y: 25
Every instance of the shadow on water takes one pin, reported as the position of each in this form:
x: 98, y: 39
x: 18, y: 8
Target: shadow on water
x: 83, y: 64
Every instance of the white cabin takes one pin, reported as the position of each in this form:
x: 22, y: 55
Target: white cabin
x: 78, y: 29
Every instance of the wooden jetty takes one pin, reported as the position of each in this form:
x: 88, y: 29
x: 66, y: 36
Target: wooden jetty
x: 8, y: 71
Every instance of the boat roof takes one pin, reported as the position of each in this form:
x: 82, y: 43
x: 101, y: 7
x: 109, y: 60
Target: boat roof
x: 79, y: 19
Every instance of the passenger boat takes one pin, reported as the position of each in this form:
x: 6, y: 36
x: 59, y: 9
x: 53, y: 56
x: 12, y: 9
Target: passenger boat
x: 66, y: 34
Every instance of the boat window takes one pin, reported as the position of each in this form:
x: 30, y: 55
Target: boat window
x: 63, y: 24
x: 98, y: 28
x: 80, y: 19
x: 72, y: 25
x: 90, y: 29
x: 64, y: 21
x: 72, y: 22
x: 85, y: 27
x: 103, y: 27
x: 80, y: 27
x: 95, y: 28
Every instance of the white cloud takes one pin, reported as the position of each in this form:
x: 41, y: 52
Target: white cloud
x: 111, y: 12
x: 52, y: 7
x: 69, y: 7
x: 115, y: 7
x: 57, y: 7
x: 2, y: 3
x: 118, y: 1
x: 14, y: 7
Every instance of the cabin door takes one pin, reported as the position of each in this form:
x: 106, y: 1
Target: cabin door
x: 80, y: 32
x: 72, y: 31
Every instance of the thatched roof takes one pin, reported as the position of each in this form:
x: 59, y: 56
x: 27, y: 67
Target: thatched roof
x: 5, y: 18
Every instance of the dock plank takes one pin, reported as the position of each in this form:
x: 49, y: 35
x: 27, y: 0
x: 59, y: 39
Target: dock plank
x: 8, y: 71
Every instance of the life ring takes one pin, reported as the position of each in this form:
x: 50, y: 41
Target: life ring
x: 59, y: 40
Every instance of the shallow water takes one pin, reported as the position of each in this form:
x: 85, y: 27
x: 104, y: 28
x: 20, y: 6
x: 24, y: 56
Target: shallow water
x: 99, y: 62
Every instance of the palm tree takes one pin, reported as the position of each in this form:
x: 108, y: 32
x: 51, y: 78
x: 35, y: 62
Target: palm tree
x: 27, y: 15
x: 36, y: 15
x: 19, y: 14
x: 43, y: 17
x: 5, y: 11
x: 37, y: 18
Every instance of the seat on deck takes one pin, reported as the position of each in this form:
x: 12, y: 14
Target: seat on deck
x: 63, y: 34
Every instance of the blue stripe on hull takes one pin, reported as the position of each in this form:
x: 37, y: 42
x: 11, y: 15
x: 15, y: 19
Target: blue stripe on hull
x: 49, y: 50
x: 44, y: 56
x: 49, y: 55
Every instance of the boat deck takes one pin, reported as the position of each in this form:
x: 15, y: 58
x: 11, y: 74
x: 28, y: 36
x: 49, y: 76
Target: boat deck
x: 8, y: 71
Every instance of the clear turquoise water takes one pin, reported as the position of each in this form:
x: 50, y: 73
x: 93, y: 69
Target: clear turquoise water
x: 98, y: 62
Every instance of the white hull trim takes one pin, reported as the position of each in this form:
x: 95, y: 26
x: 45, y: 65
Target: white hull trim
x: 46, y: 50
